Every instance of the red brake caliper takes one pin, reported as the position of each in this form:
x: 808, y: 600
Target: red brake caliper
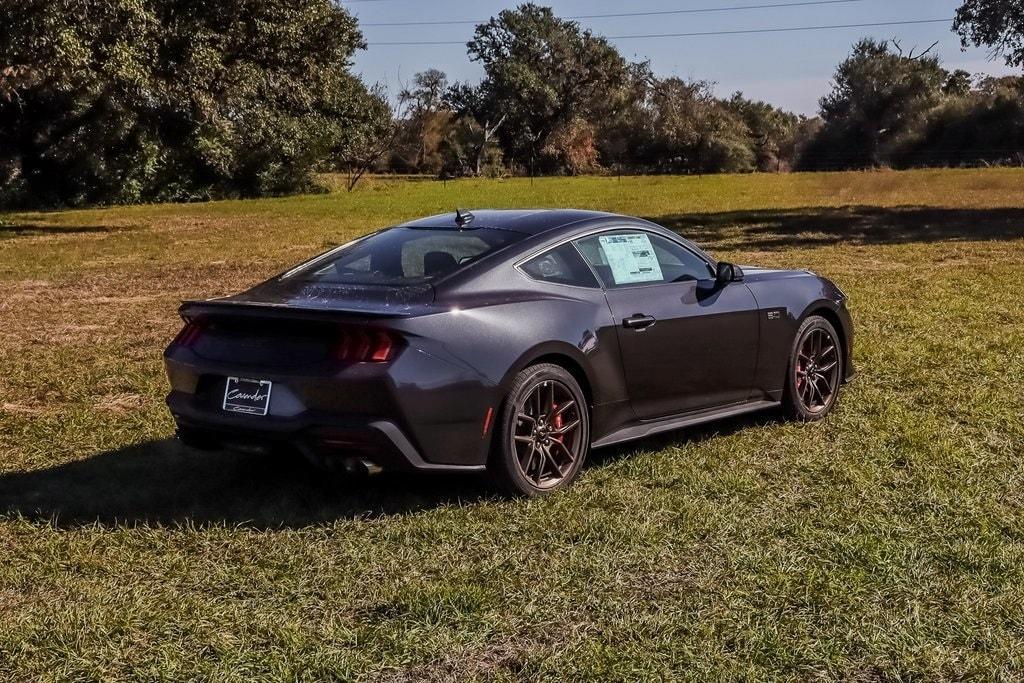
x: 558, y: 422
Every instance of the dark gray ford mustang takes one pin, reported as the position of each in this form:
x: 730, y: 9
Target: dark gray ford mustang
x: 511, y: 341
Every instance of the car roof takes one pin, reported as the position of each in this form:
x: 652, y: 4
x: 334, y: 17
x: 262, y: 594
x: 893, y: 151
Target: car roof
x: 527, y: 221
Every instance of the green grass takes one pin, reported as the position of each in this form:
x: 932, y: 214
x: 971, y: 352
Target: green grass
x: 886, y: 543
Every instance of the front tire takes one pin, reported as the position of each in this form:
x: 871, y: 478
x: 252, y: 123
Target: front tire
x: 544, y: 432
x: 815, y: 371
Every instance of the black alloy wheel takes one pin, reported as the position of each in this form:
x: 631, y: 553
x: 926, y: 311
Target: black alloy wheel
x: 545, y: 432
x: 815, y: 370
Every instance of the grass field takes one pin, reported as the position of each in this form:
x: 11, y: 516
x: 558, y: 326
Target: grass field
x: 886, y: 543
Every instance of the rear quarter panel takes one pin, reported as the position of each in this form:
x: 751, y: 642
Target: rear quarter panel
x: 495, y: 333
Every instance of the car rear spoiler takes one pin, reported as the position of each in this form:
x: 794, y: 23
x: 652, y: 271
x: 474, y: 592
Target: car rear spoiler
x: 192, y: 309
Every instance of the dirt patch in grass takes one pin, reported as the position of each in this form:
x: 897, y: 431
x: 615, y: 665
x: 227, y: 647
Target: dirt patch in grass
x: 119, y: 404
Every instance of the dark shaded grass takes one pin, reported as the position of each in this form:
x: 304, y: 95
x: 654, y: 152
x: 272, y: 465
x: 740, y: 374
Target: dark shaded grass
x: 811, y: 227
x: 10, y: 230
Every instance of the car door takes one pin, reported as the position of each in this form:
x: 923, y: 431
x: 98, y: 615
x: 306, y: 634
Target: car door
x: 687, y: 343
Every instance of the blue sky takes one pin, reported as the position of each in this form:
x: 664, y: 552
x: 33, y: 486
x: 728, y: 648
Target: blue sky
x: 791, y: 70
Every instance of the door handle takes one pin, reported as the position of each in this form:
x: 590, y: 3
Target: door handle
x: 639, y: 321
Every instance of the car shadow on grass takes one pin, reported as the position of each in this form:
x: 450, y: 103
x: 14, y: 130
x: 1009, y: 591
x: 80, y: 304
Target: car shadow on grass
x: 809, y: 227
x: 164, y: 482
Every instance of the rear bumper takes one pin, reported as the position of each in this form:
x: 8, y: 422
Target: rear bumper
x: 376, y: 440
x: 417, y: 412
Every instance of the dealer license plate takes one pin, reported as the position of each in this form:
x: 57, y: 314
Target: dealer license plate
x: 249, y: 396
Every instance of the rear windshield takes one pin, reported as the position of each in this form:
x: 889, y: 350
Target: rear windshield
x: 404, y: 256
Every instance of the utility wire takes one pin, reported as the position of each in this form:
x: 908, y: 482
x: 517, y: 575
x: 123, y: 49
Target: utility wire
x: 700, y: 10
x: 703, y: 33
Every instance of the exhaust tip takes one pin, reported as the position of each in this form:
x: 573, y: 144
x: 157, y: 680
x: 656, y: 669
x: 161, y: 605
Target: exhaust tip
x: 360, y: 467
x: 372, y: 468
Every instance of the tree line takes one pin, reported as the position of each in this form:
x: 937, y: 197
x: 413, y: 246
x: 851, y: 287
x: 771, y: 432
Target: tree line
x: 118, y: 101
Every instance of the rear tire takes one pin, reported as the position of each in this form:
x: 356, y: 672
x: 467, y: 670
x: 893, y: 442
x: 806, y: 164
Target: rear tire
x: 543, y: 433
x: 815, y: 371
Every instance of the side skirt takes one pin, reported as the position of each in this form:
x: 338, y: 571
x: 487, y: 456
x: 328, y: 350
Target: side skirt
x: 639, y: 431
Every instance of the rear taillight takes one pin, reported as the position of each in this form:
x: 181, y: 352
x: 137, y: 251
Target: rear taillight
x: 357, y: 345
x: 189, y: 335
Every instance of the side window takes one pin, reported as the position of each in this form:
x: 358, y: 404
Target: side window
x: 626, y: 258
x: 679, y: 264
x: 562, y: 265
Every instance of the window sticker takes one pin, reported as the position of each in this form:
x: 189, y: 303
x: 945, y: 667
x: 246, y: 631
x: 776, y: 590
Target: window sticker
x: 631, y: 258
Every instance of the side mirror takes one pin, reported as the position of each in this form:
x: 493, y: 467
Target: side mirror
x: 727, y: 272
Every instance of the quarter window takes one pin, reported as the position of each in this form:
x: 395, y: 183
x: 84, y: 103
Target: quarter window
x: 623, y: 258
x: 562, y: 265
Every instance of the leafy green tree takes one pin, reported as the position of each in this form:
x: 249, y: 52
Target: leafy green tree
x: 427, y: 94
x: 373, y: 134
x: 131, y: 100
x: 543, y: 73
x: 623, y: 133
x: 770, y: 129
x: 803, y: 135
x: 688, y: 130
x: 473, y: 145
x: 879, y: 96
x: 999, y: 24
x: 573, y: 148
x: 983, y: 126
x: 426, y: 124
x: 958, y: 84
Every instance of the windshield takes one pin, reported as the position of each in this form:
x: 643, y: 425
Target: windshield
x: 404, y: 256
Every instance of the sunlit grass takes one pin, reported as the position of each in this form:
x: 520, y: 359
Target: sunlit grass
x: 883, y: 543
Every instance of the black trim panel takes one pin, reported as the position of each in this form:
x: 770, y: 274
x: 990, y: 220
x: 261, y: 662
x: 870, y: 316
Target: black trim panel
x: 643, y: 429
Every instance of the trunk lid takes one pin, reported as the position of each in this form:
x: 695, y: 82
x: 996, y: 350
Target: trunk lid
x: 373, y: 300
x: 291, y: 325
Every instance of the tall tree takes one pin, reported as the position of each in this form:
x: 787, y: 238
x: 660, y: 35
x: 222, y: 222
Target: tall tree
x: 999, y: 24
x: 879, y: 96
x: 770, y: 129
x: 131, y: 100
x: 374, y: 132
x: 693, y: 131
x: 427, y: 121
x: 623, y: 135
x: 479, y: 120
x: 984, y: 125
x: 544, y: 73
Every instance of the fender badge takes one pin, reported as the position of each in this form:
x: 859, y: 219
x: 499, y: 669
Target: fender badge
x: 774, y: 315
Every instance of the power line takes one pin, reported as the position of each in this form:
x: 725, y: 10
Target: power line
x: 704, y: 33
x: 701, y: 10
